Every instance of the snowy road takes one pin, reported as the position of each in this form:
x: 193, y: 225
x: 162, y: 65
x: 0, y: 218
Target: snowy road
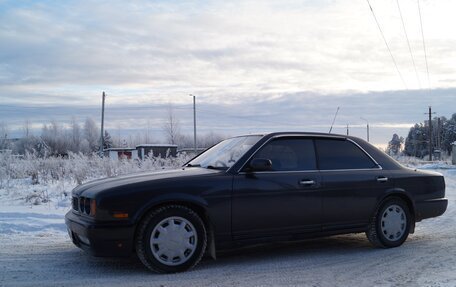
x: 35, y: 251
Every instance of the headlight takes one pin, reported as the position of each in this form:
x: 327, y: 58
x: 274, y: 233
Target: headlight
x: 87, y: 206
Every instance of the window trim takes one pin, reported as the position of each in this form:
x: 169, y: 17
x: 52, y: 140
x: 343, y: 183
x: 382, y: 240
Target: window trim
x: 379, y: 167
x: 277, y: 137
x: 313, y: 137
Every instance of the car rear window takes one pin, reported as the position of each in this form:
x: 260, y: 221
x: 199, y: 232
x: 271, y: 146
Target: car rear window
x: 341, y: 154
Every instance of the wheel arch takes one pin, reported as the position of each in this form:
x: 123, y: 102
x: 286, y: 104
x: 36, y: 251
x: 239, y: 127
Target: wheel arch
x: 403, y: 195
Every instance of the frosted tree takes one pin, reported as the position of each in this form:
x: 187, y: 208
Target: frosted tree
x: 171, y: 127
x: 91, y: 135
x: 395, y: 145
x: 27, y: 128
x: 210, y: 139
x: 416, y: 143
x: 449, y: 133
x: 107, y: 140
x: 76, y: 136
x: 54, y: 137
x: 28, y: 143
x: 4, y: 136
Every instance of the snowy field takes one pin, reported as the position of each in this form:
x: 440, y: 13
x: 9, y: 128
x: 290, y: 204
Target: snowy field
x: 35, y: 251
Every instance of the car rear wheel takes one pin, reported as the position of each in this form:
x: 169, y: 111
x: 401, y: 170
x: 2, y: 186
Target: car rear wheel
x: 390, y: 226
x: 171, y: 239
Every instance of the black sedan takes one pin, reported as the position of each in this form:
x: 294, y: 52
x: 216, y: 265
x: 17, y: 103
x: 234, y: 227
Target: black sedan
x: 254, y: 189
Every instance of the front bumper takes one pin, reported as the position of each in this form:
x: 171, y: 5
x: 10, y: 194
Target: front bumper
x: 430, y: 208
x: 100, y: 239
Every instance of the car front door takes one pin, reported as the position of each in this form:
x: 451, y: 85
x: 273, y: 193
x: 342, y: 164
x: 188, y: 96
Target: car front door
x: 279, y: 202
x: 352, y: 182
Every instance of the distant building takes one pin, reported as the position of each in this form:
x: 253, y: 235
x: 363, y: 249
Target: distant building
x: 156, y: 150
x: 121, y: 153
x: 191, y: 151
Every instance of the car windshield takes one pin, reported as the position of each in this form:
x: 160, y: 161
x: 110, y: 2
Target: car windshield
x: 225, y: 154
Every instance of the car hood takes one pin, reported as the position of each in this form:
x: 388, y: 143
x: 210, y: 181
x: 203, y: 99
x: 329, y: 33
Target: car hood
x: 93, y: 187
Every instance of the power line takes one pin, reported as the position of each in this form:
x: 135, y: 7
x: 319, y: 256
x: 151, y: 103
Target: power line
x: 424, y: 46
x: 386, y: 44
x: 408, y: 43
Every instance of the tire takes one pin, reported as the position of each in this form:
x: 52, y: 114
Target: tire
x: 390, y: 226
x: 171, y: 239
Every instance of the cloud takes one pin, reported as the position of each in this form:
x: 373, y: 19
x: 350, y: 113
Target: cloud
x: 322, y: 47
x: 387, y: 113
x: 272, y: 63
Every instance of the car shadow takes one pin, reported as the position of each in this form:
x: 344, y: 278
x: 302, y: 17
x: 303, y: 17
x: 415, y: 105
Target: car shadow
x: 323, y: 245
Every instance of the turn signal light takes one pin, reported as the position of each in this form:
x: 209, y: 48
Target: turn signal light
x: 93, y: 207
x: 120, y: 215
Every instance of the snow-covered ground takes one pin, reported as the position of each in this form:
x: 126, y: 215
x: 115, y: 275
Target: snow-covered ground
x: 35, y: 251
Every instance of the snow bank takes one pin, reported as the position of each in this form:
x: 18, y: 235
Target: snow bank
x: 32, y: 180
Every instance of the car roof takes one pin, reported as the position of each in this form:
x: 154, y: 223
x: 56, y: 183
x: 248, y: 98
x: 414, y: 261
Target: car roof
x: 285, y: 133
x: 379, y: 156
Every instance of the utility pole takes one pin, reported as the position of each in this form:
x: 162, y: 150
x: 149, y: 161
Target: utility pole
x: 347, y: 131
x: 430, y: 132
x: 439, y: 123
x: 102, y: 123
x: 367, y: 124
x: 194, y: 123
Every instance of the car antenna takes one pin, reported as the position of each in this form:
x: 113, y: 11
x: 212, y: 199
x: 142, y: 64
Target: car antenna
x: 335, y: 115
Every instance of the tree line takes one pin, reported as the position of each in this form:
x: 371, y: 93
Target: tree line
x: 57, y: 139
x: 417, y: 141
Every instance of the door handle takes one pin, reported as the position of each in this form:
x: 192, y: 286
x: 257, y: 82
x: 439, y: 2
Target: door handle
x: 307, y: 182
x: 382, y: 179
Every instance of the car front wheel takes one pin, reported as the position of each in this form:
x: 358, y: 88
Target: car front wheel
x: 171, y: 239
x: 390, y: 226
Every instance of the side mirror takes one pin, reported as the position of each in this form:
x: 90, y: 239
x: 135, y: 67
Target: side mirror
x: 260, y: 164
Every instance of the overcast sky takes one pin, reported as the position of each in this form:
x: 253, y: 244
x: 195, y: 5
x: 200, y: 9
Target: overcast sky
x: 253, y: 65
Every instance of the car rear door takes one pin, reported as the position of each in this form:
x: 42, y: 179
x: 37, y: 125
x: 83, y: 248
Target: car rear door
x: 352, y: 182
x: 280, y: 202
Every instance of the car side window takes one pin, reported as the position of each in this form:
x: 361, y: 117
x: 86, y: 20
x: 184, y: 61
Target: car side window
x: 341, y: 154
x: 289, y: 154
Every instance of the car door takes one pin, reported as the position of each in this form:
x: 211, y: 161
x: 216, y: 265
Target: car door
x: 285, y: 200
x: 352, y: 182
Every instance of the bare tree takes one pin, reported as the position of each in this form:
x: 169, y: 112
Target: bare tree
x: 28, y: 143
x: 210, y: 139
x: 107, y: 140
x: 4, y: 135
x: 118, y: 138
x: 91, y: 135
x: 75, y: 136
x: 27, y: 128
x: 147, y: 131
x: 171, y: 127
x: 54, y: 137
